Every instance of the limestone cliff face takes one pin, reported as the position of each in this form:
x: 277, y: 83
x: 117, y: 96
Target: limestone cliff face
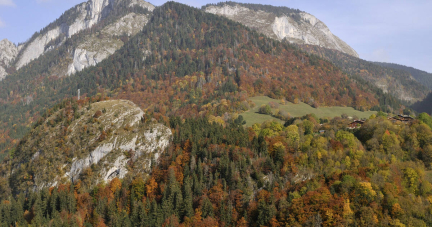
x: 8, y: 52
x: 86, y: 15
x: 302, y: 29
x: 105, y: 144
x: 96, y: 48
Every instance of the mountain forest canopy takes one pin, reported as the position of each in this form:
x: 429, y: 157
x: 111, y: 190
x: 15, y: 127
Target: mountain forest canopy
x: 421, y: 76
x: 194, y: 73
x: 182, y: 62
x: 266, y: 175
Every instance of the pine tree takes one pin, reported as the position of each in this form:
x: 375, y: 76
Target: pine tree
x: 187, y: 199
x: 207, y: 208
x: 17, y: 212
x: 172, y: 201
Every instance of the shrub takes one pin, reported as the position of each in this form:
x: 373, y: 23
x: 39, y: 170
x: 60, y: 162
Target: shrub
x: 265, y: 109
x: 273, y: 105
x: 97, y: 114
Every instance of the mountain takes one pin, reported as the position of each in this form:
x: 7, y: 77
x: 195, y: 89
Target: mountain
x: 395, y: 81
x: 107, y: 20
x: 422, y: 77
x: 282, y: 23
x: 313, y: 36
x: 74, y: 137
x: 191, y: 63
x: 181, y: 149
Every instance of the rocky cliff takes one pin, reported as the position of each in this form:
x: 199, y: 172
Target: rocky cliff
x: 97, y: 47
x: 108, y: 139
x: 8, y: 52
x: 296, y: 27
x: 81, y: 17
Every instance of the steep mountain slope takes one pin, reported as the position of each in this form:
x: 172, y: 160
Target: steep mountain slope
x: 424, y: 105
x: 103, y: 138
x: 422, y: 77
x: 282, y: 23
x: 108, y: 21
x: 184, y: 62
x: 397, y: 82
x: 8, y: 52
x: 314, y: 37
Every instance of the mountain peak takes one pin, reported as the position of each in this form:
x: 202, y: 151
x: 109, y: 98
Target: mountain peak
x: 73, y: 21
x: 282, y: 23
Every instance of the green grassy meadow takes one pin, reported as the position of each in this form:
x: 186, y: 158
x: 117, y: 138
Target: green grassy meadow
x: 297, y: 110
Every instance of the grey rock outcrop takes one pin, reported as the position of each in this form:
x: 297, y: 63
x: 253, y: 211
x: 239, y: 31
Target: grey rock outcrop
x: 3, y: 73
x: 307, y: 30
x: 8, y: 53
x: 87, y: 15
x: 106, y: 145
x: 96, y: 48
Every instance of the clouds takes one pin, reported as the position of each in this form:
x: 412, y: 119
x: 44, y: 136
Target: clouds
x: 2, y: 24
x: 7, y: 3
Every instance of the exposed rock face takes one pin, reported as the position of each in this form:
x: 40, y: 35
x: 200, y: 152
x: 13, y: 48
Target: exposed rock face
x: 86, y: 55
x: 127, y: 140
x: 98, y: 47
x: 8, y: 52
x: 129, y: 25
x: 88, y: 14
x: 307, y: 30
x: 3, y: 73
x: 142, y: 4
x: 37, y: 47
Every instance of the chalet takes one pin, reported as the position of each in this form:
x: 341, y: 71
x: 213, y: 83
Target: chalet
x: 356, y: 124
x: 401, y: 119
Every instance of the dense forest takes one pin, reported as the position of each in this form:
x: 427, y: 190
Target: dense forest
x: 194, y: 72
x: 424, y: 105
x: 423, y: 77
x: 396, y: 81
x: 185, y: 61
x: 266, y: 175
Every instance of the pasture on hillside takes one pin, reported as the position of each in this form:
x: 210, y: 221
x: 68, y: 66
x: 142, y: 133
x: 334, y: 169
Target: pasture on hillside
x: 298, y: 110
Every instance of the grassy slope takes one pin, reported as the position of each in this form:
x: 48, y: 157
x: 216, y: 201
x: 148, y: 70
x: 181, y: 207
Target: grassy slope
x: 298, y: 110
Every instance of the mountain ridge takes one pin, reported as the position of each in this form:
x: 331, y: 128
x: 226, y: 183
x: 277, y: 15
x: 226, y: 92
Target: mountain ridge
x: 75, y: 20
x: 173, y: 69
x: 282, y: 23
x: 421, y: 76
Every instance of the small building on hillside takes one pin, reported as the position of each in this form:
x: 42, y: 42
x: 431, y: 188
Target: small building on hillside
x: 356, y: 124
x: 401, y: 119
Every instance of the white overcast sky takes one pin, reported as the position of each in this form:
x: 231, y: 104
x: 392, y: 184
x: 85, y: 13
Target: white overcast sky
x: 386, y: 30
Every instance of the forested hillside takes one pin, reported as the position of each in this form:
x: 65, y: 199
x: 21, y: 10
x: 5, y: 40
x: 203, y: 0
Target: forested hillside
x: 184, y: 61
x: 267, y: 175
x: 424, y: 105
x: 191, y: 74
x: 394, y: 81
x: 423, y: 77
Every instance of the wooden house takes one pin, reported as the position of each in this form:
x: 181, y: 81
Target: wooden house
x: 401, y: 119
x: 356, y: 124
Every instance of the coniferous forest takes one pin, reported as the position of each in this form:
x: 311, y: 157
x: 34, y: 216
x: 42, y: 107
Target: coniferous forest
x: 270, y: 174
x: 193, y: 73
